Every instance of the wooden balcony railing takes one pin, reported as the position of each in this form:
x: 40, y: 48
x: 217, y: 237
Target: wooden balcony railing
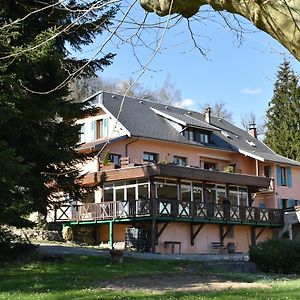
x: 175, y: 209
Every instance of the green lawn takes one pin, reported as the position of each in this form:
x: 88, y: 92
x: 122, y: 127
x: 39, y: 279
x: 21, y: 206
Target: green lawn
x: 79, y: 277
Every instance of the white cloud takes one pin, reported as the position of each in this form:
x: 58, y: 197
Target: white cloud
x: 251, y: 91
x: 184, y: 103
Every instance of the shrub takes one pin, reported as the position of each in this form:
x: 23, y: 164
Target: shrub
x: 12, y: 245
x: 279, y: 256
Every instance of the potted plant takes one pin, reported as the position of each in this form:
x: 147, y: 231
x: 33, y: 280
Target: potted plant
x: 106, y: 163
x: 229, y: 169
x: 116, y: 255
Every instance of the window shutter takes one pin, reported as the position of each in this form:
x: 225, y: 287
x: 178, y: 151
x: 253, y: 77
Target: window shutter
x: 291, y: 203
x: 289, y: 177
x: 105, y: 127
x: 93, y: 133
x: 278, y: 173
x: 280, y: 203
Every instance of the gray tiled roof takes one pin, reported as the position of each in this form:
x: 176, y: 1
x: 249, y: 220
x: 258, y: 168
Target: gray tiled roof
x: 139, y: 118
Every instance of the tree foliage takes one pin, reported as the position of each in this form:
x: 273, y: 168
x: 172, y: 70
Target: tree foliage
x: 251, y: 118
x: 39, y: 135
x: 167, y: 93
x: 283, y: 114
x: 219, y: 110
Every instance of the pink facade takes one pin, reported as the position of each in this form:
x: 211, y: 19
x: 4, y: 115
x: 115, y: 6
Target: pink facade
x: 188, y: 215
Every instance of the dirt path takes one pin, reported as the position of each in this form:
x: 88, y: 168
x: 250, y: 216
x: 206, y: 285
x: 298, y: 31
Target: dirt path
x: 180, y: 282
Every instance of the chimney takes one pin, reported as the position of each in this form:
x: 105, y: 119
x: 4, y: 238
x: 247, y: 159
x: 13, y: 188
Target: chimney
x: 252, y: 130
x: 207, y: 114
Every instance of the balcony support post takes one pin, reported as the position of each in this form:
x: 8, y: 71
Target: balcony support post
x: 224, y: 234
x: 111, y: 234
x: 260, y: 232
x: 153, y: 235
x: 195, y: 229
x: 253, y: 236
x: 250, y: 200
x: 159, y: 233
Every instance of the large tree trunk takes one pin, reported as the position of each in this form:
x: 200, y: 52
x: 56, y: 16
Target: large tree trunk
x: 279, y: 18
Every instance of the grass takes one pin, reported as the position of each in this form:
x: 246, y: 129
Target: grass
x: 79, y: 277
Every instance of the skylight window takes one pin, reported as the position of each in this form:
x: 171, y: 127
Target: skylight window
x: 251, y: 143
x: 226, y: 134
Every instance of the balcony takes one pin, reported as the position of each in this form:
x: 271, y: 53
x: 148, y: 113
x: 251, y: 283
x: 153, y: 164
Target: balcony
x: 172, y: 210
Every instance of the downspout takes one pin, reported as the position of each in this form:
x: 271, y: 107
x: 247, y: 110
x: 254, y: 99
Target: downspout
x: 126, y: 146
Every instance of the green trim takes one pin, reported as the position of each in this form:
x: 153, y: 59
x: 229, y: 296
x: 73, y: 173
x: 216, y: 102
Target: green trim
x: 174, y: 219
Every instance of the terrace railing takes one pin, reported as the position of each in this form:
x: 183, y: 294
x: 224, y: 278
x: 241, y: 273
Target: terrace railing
x: 175, y: 209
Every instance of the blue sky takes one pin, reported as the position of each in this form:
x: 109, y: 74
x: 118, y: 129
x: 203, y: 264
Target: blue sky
x: 241, y: 75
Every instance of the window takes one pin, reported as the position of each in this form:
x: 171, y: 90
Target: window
x: 210, y: 166
x: 90, y: 197
x: 186, y: 191
x: 267, y: 171
x: 150, y: 158
x: 197, y: 192
x: 243, y: 196
x: 221, y: 194
x: 115, y: 158
x: 262, y: 205
x: 284, y: 176
x: 108, y: 195
x: 126, y: 190
x: 143, y: 191
x: 165, y: 190
x: 197, y: 135
x: 233, y: 195
x: 100, y: 128
x: 82, y: 134
x: 210, y: 193
x: 180, y: 160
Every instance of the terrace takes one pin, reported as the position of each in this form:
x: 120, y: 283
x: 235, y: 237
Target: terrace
x: 170, y: 210
x: 168, y: 193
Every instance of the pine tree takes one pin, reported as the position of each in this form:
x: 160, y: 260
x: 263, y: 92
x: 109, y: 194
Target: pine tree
x: 283, y: 115
x: 39, y: 134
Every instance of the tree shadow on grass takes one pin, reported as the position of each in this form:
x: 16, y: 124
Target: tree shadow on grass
x: 63, y: 273
x: 80, y: 277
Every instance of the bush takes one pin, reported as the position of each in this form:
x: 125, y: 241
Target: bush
x: 12, y: 245
x: 279, y: 256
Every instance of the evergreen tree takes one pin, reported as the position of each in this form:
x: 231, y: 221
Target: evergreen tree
x: 39, y: 134
x: 283, y: 114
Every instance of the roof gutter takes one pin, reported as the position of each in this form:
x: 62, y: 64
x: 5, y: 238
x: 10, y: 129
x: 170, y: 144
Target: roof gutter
x: 246, y: 153
x: 126, y: 146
